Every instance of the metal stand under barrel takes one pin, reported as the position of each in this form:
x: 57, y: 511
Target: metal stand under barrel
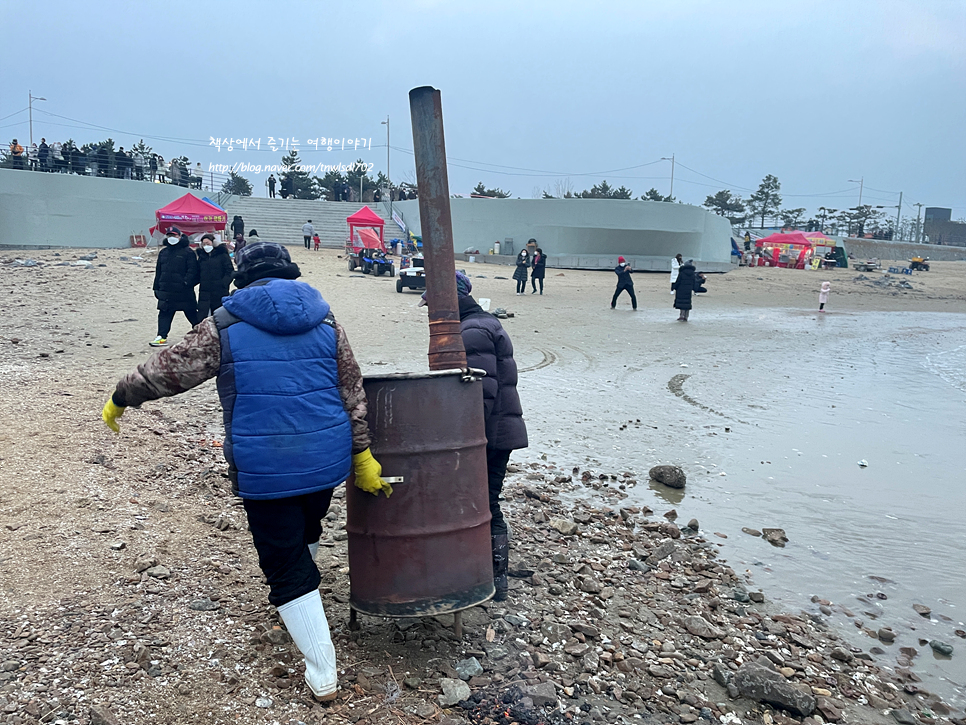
x: 426, y: 550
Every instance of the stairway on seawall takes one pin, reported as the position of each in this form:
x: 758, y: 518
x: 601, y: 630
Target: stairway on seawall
x: 281, y: 220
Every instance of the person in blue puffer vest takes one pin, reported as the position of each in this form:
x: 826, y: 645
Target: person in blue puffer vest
x: 295, y: 427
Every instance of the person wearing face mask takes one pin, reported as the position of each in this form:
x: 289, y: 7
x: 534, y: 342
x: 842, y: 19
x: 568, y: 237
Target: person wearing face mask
x: 175, y: 277
x: 215, y: 273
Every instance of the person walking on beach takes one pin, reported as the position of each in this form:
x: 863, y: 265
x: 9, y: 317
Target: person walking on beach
x: 175, y: 277
x: 271, y: 186
x: 488, y: 348
x: 307, y: 231
x: 539, y: 270
x: 624, y: 283
x: 675, y: 267
x: 823, y: 295
x: 520, y: 274
x: 688, y: 281
x: 295, y: 428
x: 215, y: 272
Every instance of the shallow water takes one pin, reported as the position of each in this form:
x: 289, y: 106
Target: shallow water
x: 784, y: 404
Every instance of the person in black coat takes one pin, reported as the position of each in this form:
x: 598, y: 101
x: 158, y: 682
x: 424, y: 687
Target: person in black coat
x: 520, y: 274
x: 215, y: 273
x: 488, y: 348
x: 175, y: 277
x: 238, y: 226
x: 624, y: 282
x: 539, y: 270
x: 688, y: 281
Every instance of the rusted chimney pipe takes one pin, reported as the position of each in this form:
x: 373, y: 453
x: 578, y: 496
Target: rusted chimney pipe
x: 446, y: 349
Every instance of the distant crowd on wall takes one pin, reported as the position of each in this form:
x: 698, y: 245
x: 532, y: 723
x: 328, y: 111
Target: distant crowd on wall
x: 66, y: 158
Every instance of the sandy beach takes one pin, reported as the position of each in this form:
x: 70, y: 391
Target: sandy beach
x: 767, y: 405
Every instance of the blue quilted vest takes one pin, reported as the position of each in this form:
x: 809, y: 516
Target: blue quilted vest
x: 286, y: 430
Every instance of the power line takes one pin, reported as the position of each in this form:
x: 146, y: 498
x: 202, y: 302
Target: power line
x: 14, y: 114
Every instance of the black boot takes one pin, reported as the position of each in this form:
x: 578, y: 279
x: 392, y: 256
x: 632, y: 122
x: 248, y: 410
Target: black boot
x: 501, y: 561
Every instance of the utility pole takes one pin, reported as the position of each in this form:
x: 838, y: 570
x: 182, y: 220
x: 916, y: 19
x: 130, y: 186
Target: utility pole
x: 861, y: 183
x: 918, y: 227
x: 30, y: 112
x: 898, y: 212
x: 387, y: 165
x: 665, y: 158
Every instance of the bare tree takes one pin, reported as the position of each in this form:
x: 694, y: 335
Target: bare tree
x: 563, y: 188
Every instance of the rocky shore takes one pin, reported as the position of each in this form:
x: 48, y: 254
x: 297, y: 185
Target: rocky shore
x: 616, y: 614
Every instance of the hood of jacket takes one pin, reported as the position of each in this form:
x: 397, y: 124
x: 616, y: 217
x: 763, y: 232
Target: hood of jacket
x: 469, y: 306
x: 279, y: 306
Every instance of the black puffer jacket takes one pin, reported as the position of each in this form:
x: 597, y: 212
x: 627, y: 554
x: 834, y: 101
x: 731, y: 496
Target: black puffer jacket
x: 539, y: 270
x: 687, y: 282
x: 175, y: 277
x: 215, y: 272
x: 488, y: 348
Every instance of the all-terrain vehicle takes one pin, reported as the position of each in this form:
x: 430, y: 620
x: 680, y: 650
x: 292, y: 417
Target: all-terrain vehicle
x: 376, y: 263
x: 919, y: 264
x: 412, y: 274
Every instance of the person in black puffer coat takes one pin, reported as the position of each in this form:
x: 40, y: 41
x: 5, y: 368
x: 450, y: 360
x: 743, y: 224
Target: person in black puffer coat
x: 539, y: 270
x: 175, y: 277
x: 688, y: 281
x: 215, y: 272
x: 488, y: 348
x: 521, y: 273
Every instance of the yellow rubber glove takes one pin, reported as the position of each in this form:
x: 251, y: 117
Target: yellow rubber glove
x: 111, y: 413
x: 367, y: 471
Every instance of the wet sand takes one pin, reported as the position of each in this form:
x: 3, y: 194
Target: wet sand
x: 757, y: 386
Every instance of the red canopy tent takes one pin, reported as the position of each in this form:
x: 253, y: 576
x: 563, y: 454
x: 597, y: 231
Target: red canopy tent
x: 795, y: 246
x: 191, y: 215
x: 366, y: 218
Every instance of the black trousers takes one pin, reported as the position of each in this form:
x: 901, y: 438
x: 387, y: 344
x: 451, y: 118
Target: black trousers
x: 282, y: 529
x: 271, y: 192
x: 496, y: 462
x: 533, y: 282
x: 166, y: 317
x: 522, y: 285
x: 617, y: 293
x: 307, y: 240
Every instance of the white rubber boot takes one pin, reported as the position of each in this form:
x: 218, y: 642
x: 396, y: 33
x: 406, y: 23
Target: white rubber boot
x: 306, y: 623
x: 314, y: 549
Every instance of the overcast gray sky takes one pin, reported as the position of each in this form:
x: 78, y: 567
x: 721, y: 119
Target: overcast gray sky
x: 816, y: 93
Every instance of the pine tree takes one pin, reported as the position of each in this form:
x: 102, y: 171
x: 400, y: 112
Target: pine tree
x: 303, y: 186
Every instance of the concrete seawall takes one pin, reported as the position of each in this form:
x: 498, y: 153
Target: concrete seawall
x: 42, y: 211
x: 902, y: 251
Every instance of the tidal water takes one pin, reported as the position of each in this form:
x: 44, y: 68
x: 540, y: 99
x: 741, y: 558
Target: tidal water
x: 770, y: 412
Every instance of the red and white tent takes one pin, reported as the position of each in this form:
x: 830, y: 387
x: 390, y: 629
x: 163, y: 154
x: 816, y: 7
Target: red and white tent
x: 366, y: 219
x: 191, y: 215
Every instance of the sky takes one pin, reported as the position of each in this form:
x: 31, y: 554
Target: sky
x: 535, y: 94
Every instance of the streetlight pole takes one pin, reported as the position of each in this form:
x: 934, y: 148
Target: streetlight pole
x: 30, y: 112
x: 918, y: 227
x: 387, y: 165
x: 665, y: 158
x: 861, y: 183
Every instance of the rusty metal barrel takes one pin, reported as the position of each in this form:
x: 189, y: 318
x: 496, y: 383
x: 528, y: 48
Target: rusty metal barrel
x: 426, y: 550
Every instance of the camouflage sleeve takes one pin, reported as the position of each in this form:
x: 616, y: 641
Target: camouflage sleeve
x: 350, y: 388
x: 175, y: 369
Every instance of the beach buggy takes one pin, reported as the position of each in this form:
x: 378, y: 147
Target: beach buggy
x: 366, y: 251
